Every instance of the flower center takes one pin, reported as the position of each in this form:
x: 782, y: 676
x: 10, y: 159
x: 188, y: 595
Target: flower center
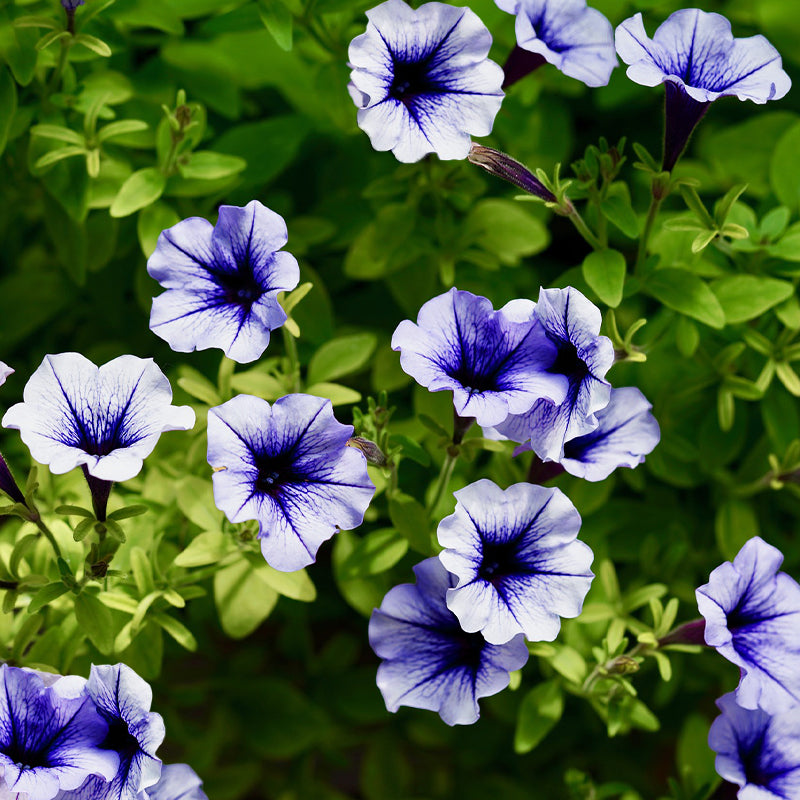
x: 500, y: 559
x: 240, y: 288
x: 568, y: 362
x: 273, y: 473
x: 473, y: 381
x: 468, y: 651
x: 411, y: 79
x: 755, y: 771
x: 120, y: 739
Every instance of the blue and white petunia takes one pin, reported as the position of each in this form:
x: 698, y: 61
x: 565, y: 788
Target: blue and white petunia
x: 496, y: 362
x: 107, y: 418
x: 576, y: 39
x: 752, y: 614
x: 519, y: 564
x: 756, y: 751
x: 428, y: 660
x: 572, y: 323
x: 222, y: 281
x: 177, y: 782
x: 5, y: 371
x: 50, y: 735
x: 422, y: 81
x: 696, y: 56
x: 626, y: 432
x: 287, y: 466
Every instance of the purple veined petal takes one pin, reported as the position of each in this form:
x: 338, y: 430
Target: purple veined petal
x: 50, y: 736
x: 697, y: 51
x: 752, y: 614
x: 178, y: 782
x: 756, y: 751
x: 429, y: 662
x: 288, y: 466
x: 107, y: 418
x: 496, y: 362
x: 576, y: 39
x: 519, y: 565
x: 422, y: 81
x: 626, y: 432
x: 222, y: 282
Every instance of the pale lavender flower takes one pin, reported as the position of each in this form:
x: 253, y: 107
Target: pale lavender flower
x: 496, y: 362
x: 696, y: 56
x: 289, y: 467
x: 422, y: 81
x: 177, y: 782
x: 429, y: 662
x: 519, y: 565
x: 107, y: 418
x: 752, y: 615
x: 626, y: 432
x: 50, y: 735
x: 572, y: 323
x: 576, y: 39
x: 222, y: 281
x: 756, y: 751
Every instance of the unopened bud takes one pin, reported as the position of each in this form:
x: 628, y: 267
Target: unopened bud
x: 507, y: 168
x: 371, y: 451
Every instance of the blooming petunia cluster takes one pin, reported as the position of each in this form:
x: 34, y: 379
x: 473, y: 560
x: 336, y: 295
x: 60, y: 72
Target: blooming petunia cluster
x: 533, y: 373
x: 72, y: 739
x: 751, y: 614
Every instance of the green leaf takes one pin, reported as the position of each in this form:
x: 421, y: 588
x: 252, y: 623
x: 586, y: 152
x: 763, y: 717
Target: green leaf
x: 197, y: 385
x: 177, y: 630
x: 142, y: 571
x: 505, y: 229
x: 208, y: 166
x: 128, y: 511
x: 410, y: 449
x: 196, y: 500
x: 735, y: 522
x: 96, y: 622
x: 376, y: 552
x: 725, y: 204
x: 788, y: 247
x: 259, y: 384
x: 684, y: 292
x: 51, y: 38
x: 93, y: 43
x: 8, y: 105
x: 122, y: 127
x: 687, y: 337
x: 151, y: 222
x: 59, y: 154
x: 139, y: 190
x: 745, y: 297
x: 539, y: 713
x: 209, y: 547
x: 604, y: 271
x: 46, y: 595
x: 243, y: 599
x: 382, y: 246
x: 277, y: 20
x: 342, y: 356
x: 296, y: 585
x: 569, y: 663
x: 788, y: 377
x: 618, y: 210
x: 59, y: 133
x: 336, y: 393
x: 410, y: 518
x: 784, y: 170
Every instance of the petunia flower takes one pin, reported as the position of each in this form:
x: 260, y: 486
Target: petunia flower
x: 422, y: 81
x: 572, y: 323
x: 177, y: 782
x: 428, y: 660
x: 576, y: 39
x: 626, y: 432
x: 50, y: 735
x: 752, y: 615
x: 5, y: 371
x: 756, y: 751
x: 107, y: 418
x: 696, y: 56
x: 287, y: 466
x: 71, y: 5
x: 496, y: 362
x: 519, y: 565
x: 222, y: 281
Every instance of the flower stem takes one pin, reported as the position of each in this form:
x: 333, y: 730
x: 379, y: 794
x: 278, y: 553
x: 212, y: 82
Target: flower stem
x: 48, y: 534
x: 583, y: 228
x: 293, y: 372
x: 448, y: 465
x: 100, y: 490
x: 224, y: 375
x: 652, y: 213
x: 520, y: 63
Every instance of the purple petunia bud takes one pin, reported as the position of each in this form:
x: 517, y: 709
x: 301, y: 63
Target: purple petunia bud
x: 8, y: 484
x: 507, y: 168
